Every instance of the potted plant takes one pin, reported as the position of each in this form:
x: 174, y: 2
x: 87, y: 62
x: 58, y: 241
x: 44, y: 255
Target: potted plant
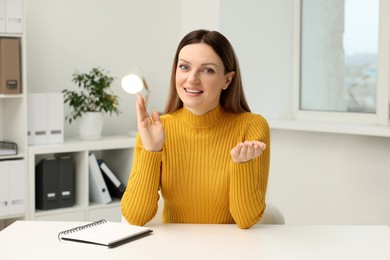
x: 94, y: 99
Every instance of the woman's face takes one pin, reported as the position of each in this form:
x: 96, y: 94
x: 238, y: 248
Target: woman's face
x: 200, y: 78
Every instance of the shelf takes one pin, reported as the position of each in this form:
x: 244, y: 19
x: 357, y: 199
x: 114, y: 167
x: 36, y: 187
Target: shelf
x: 11, y: 96
x: 11, y: 157
x: 116, y: 151
x: 52, y: 212
x: 76, y: 145
x: 114, y: 203
x: 13, y: 109
x: 12, y: 216
x: 11, y: 35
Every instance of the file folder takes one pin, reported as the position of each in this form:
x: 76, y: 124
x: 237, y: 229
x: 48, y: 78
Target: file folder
x: 46, y: 184
x: 55, y: 183
x: 66, y: 182
x: 2, y: 16
x: 98, y: 191
x: 55, y: 114
x: 14, y: 16
x: 12, y: 187
x: 45, y: 118
x: 4, y: 187
x: 37, y: 119
x: 114, y: 185
x: 10, y: 69
x: 17, y: 182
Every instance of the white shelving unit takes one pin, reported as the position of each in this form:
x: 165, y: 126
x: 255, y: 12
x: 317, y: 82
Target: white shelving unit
x: 13, y: 112
x: 117, y: 152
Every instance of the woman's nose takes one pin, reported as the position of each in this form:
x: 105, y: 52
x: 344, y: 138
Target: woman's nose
x: 193, y: 76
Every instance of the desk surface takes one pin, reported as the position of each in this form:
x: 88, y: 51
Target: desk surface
x: 38, y: 240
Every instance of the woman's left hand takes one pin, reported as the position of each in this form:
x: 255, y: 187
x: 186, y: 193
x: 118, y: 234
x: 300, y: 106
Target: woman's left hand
x: 246, y: 151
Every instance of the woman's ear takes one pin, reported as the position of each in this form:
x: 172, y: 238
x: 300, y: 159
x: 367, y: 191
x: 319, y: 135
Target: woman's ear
x: 229, y: 78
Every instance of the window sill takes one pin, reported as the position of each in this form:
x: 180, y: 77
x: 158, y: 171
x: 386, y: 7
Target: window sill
x: 326, y: 127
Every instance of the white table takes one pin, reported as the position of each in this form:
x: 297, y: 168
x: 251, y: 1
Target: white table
x: 38, y: 240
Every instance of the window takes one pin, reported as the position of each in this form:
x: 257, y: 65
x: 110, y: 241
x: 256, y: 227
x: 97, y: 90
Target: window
x: 342, y: 67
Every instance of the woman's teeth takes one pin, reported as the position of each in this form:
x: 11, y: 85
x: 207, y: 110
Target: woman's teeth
x: 193, y: 91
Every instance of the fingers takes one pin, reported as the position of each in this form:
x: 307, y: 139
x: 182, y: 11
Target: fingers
x: 142, y: 115
x: 155, y: 117
x: 235, y: 152
x: 247, y: 150
x: 140, y: 106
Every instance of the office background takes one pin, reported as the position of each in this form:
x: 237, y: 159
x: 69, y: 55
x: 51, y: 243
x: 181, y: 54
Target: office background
x: 315, y: 178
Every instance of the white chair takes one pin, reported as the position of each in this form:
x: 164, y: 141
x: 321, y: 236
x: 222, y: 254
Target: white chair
x: 272, y: 215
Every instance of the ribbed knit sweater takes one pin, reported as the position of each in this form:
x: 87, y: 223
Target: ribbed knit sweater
x: 195, y: 173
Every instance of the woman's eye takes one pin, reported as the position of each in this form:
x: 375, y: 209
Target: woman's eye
x: 183, y: 67
x: 208, y: 70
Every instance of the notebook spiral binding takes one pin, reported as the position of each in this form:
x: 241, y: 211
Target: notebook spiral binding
x: 80, y: 228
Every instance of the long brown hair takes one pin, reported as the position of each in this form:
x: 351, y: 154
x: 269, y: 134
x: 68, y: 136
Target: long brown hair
x: 233, y: 98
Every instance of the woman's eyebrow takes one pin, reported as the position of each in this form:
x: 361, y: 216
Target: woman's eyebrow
x: 203, y: 64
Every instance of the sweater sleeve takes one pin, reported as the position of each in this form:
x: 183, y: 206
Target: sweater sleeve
x: 248, y: 181
x: 139, y: 202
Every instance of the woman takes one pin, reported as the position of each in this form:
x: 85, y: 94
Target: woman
x: 207, y: 153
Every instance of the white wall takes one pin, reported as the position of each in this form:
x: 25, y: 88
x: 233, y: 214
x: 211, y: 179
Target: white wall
x: 117, y: 35
x: 315, y: 178
x: 195, y: 15
x: 261, y: 33
x: 320, y: 178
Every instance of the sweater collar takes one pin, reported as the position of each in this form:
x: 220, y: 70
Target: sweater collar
x: 204, y: 120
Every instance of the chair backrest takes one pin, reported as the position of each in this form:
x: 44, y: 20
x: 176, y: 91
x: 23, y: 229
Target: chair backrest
x: 272, y: 215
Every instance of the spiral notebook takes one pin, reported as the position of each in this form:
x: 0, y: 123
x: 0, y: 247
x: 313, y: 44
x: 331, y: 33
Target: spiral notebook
x: 104, y: 233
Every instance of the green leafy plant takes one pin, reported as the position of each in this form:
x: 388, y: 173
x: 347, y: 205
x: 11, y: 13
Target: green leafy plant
x: 95, y: 95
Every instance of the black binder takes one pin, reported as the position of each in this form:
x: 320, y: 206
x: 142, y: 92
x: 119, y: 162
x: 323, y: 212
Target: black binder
x: 66, y: 182
x: 55, y: 183
x: 46, y: 184
x: 114, y: 185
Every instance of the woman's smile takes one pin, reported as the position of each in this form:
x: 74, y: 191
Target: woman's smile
x: 200, y: 78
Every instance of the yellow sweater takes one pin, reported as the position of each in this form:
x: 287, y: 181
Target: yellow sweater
x: 195, y: 173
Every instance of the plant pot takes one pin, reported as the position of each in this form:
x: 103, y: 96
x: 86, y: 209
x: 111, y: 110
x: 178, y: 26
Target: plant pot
x: 91, y: 126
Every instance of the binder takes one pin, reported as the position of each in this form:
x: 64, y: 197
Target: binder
x: 12, y: 187
x: 14, y: 16
x: 4, y: 187
x: 55, y: 114
x: 30, y: 120
x: 17, y: 182
x: 37, y: 119
x: 114, y: 185
x: 55, y: 183
x: 46, y: 184
x: 10, y: 69
x: 98, y: 191
x: 2, y: 16
x: 66, y: 182
x: 45, y: 118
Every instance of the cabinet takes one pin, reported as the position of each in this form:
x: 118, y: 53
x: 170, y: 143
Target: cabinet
x: 13, y: 112
x: 116, y: 151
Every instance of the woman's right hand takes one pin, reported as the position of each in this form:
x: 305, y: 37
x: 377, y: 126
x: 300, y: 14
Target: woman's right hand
x: 150, y: 128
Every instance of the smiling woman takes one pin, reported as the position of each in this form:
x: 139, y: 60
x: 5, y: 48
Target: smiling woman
x: 200, y: 78
x: 208, y: 155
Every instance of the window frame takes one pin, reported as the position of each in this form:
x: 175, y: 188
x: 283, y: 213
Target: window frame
x: 381, y: 117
